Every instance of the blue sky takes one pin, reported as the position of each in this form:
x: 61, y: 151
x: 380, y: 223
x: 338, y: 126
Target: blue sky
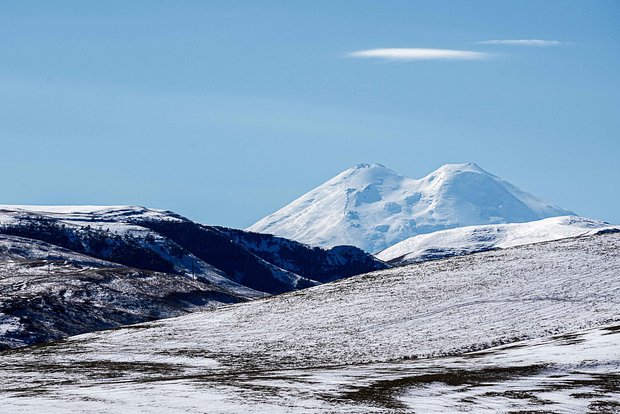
x: 225, y: 111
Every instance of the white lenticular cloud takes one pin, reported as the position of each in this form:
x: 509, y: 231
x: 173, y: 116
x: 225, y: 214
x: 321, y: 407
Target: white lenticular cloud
x: 522, y: 42
x: 410, y: 54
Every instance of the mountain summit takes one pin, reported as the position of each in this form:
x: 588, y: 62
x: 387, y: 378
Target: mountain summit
x: 373, y: 207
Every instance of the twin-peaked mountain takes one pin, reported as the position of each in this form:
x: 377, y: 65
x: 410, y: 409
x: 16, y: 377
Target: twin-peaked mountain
x: 373, y: 207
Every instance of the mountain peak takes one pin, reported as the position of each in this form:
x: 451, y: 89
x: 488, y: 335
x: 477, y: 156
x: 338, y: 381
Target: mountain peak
x: 365, y: 165
x: 363, y: 174
x: 461, y: 167
x: 373, y: 207
x: 374, y: 168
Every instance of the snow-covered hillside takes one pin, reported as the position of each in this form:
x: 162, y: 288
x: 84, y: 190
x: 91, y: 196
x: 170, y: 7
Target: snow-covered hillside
x: 471, y: 239
x: 114, y: 233
x: 373, y: 207
x: 163, y: 241
x: 361, y: 344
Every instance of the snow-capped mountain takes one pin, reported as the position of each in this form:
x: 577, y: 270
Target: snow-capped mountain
x: 373, y: 207
x: 471, y: 239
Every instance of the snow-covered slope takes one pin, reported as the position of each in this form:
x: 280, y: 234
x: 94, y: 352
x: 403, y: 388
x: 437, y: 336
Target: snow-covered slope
x: 471, y: 239
x: 361, y: 345
x: 373, y: 207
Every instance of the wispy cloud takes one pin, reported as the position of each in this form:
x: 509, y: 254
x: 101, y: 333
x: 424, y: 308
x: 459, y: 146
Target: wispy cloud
x: 522, y: 42
x: 411, y: 54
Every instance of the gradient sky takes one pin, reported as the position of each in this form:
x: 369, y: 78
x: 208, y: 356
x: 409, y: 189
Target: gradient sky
x: 224, y: 111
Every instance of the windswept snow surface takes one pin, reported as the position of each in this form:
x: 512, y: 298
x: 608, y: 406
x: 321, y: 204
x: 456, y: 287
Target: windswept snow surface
x: 397, y: 340
x: 473, y: 239
x: 373, y: 207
